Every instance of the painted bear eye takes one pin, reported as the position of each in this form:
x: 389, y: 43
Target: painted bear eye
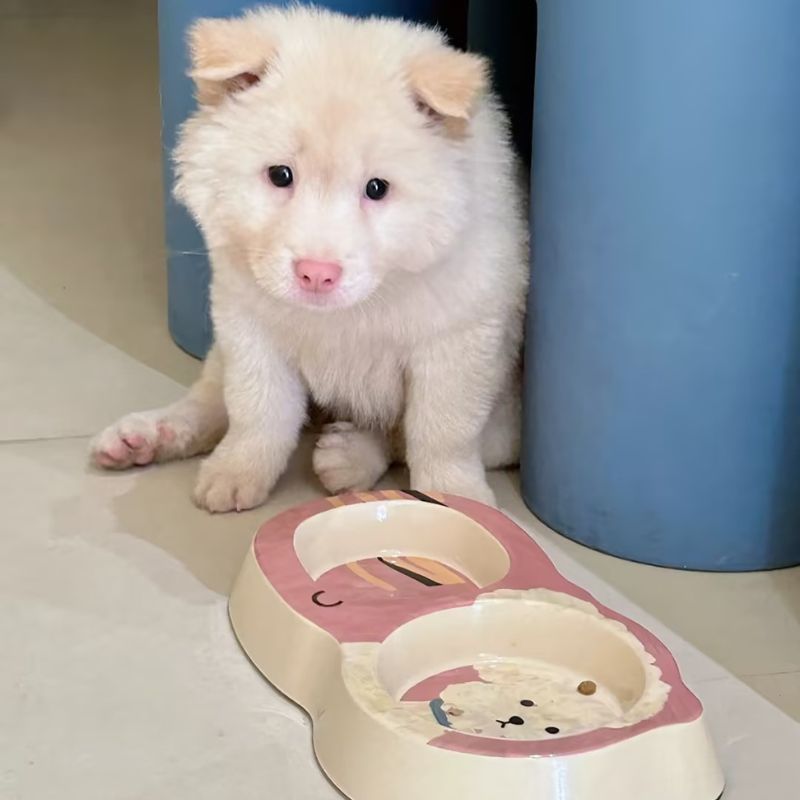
x: 376, y: 188
x: 280, y: 175
x: 527, y: 703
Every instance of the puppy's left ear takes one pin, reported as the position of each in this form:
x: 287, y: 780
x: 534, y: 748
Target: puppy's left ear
x: 449, y: 82
x: 228, y: 55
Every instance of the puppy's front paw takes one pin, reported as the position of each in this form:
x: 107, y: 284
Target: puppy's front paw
x: 136, y: 440
x: 473, y: 490
x: 225, y: 485
x: 452, y: 480
x: 349, y: 460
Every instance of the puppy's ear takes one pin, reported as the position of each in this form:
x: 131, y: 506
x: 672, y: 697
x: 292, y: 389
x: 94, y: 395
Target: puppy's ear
x: 228, y: 55
x: 449, y: 82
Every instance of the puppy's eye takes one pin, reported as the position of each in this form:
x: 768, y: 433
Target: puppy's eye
x: 376, y: 188
x: 280, y: 176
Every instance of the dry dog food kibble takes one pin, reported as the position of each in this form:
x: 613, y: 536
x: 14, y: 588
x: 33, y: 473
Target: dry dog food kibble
x: 587, y: 687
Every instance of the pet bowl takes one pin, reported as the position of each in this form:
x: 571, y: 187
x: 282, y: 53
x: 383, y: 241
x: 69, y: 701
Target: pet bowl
x: 440, y: 653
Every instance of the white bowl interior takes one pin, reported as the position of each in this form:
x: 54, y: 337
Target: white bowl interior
x: 400, y: 528
x: 549, y: 649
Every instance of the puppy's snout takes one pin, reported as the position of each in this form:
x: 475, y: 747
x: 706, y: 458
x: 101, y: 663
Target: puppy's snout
x: 317, y: 276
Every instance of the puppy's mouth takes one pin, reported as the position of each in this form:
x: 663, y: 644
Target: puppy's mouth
x: 315, y: 286
x: 341, y: 297
x: 291, y: 294
x: 319, y: 302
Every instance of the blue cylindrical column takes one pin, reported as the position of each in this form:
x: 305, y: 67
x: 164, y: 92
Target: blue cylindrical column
x: 187, y: 265
x: 663, y: 359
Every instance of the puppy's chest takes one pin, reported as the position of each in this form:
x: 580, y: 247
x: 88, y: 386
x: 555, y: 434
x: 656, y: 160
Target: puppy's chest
x: 362, y: 384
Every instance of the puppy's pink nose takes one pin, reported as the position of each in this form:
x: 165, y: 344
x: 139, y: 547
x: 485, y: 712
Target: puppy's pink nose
x: 317, y: 276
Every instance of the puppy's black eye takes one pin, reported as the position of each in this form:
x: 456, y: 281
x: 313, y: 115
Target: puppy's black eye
x: 376, y: 188
x: 280, y: 176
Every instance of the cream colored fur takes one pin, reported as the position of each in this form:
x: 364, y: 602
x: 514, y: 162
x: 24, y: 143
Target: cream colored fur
x: 421, y: 336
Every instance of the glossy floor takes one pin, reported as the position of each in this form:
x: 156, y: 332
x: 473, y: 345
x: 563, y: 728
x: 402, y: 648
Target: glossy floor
x: 119, y: 676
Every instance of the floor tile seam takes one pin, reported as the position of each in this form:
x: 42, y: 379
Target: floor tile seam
x: 57, y: 437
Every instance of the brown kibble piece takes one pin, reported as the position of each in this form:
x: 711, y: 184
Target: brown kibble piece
x: 587, y: 687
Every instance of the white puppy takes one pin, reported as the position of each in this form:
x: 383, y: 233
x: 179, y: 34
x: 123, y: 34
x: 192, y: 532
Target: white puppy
x: 358, y: 194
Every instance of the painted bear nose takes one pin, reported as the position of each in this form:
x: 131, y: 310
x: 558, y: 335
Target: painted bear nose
x: 510, y: 721
x: 317, y: 276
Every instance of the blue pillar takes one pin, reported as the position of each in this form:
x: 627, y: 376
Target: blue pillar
x: 663, y: 360
x: 187, y: 265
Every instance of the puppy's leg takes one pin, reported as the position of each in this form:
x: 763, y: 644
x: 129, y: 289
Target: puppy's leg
x: 266, y: 403
x: 347, y: 459
x: 500, y: 440
x: 453, y: 385
x: 192, y: 425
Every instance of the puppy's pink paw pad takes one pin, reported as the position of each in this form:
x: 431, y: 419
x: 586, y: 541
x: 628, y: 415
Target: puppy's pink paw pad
x: 166, y: 433
x: 134, y: 440
x: 116, y: 451
x: 103, y: 459
x: 143, y: 457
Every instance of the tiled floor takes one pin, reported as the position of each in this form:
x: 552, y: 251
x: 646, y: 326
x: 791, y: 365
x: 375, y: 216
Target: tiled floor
x: 119, y: 677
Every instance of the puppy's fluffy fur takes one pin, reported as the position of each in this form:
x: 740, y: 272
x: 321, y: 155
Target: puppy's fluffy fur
x: 421, y: 336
